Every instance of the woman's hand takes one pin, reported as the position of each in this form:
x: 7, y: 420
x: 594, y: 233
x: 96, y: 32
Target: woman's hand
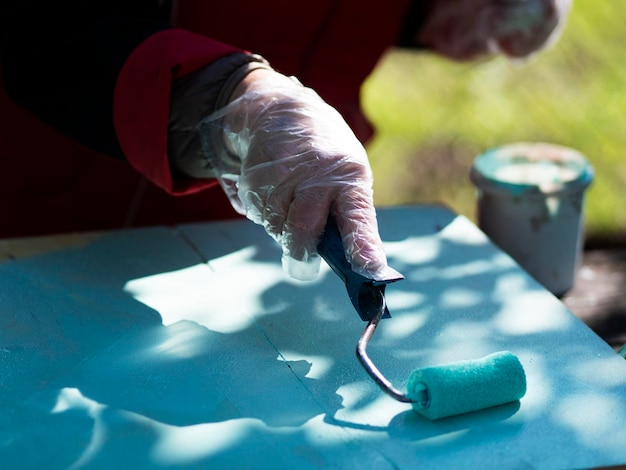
x: 287, y: 161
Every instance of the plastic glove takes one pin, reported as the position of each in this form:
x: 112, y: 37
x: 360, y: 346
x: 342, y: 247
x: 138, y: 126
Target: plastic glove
x: 524, y: 27
x: 467, y: 29
x: 286, y: 159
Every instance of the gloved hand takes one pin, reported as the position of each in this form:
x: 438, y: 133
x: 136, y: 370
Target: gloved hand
x: 468, y: 29
x: 524, y: 27
x: 286, y: 159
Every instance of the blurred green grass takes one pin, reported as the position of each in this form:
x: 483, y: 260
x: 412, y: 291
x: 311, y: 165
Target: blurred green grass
x: 433, y: 116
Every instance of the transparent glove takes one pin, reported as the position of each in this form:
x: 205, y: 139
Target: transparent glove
x: 524, y: 27
x: 286, y: 160
x: 467, y: 29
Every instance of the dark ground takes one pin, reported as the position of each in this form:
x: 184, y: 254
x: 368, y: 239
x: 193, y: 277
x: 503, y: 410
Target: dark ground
x: 599, y: 293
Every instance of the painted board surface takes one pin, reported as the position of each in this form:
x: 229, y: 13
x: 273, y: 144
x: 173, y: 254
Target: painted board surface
x: 189, y: 348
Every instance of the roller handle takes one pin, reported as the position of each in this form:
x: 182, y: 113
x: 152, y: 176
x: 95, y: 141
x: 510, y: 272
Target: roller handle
x: 359, y: 287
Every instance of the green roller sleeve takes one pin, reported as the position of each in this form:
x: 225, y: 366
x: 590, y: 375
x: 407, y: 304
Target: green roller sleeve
x: 461, y: 387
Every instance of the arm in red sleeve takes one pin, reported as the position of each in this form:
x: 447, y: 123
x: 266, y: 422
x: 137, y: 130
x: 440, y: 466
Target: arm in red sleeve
x: 108, y: 74
x: 142, y: 101
x: 60, y: 60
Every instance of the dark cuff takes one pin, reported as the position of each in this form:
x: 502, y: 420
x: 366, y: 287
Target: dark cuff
x: 194, y: 97
x: 416, y: 16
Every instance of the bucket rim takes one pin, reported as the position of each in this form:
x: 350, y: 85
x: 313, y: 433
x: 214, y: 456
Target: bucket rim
x: 483, y: 171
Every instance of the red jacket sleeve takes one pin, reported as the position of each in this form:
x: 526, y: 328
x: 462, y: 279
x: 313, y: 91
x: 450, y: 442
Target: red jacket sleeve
x: 141, y: 102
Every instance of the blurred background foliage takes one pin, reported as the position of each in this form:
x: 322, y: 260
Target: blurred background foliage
x: 433, y: 116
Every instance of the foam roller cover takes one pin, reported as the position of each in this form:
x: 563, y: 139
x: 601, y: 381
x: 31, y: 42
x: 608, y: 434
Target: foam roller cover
x: 461, y: 387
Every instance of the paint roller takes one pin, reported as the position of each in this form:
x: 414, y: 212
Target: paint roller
x: 434, y: 392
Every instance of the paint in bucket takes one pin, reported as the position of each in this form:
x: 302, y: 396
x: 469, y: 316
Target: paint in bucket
x: 531, y: 204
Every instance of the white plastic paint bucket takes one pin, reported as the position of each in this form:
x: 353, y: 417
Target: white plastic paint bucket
x: 531, y: 204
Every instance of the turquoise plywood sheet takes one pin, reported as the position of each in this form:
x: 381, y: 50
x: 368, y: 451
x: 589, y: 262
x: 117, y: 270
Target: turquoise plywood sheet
x: 462, y: 299
x: 189, y: 348
x: 92, y: 378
